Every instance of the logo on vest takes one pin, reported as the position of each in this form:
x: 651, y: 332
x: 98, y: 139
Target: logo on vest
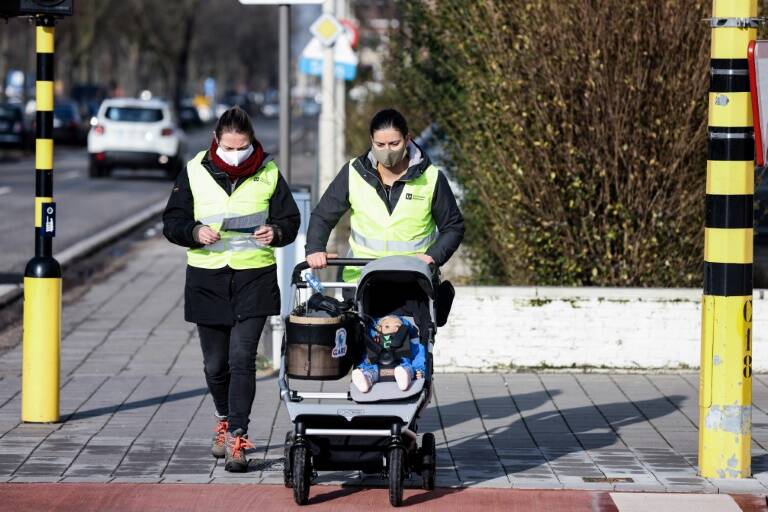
x: 413, y: 197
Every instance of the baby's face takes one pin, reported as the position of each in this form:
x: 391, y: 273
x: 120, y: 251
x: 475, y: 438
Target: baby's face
x: 389, y: 325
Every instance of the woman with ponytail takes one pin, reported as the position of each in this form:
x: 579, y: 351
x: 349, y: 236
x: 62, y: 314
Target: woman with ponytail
x: 230, y: 207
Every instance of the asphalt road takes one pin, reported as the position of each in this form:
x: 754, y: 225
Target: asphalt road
x: 86, y: 206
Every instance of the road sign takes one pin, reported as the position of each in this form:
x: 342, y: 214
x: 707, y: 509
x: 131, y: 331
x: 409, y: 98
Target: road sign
x: 345, y: 59
x: 311, y: 60
x: 758, y: 81
x: 326, y: 29
x: 351, y: 29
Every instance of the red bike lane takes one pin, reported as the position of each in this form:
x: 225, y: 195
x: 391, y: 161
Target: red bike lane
x: 87, y: 497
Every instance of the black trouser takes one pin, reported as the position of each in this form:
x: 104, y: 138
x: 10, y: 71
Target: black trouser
x: 229, y: 358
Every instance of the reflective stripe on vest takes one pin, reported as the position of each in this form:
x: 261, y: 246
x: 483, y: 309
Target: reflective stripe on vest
x: 390, y: 246
x: 376, y: 233
x: 235, y: 217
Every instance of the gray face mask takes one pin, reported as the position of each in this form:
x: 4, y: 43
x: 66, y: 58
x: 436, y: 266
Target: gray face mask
x: 389, y: 157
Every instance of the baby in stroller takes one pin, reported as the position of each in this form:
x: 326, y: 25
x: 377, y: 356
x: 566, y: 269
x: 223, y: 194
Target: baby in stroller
x: 392, y: 346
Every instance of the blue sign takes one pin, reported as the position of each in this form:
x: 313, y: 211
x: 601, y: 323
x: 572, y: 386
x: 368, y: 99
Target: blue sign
x: 314, y: 67
x: 345, y: 71
x: 209, y: 87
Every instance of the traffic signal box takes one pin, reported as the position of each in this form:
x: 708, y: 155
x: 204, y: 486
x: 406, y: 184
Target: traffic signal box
x: 13, y: 8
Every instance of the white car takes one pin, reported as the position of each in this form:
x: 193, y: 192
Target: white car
x: 137, y: 134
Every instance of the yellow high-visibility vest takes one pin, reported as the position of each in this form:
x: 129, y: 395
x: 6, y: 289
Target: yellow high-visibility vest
x: 241, y: 213
x: 409, y: 230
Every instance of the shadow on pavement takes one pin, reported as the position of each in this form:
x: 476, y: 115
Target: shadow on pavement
x: 760, y: 463
x: 425, y: 496
x: 543, y: 437
x: 147, y: 402
x: 138, y: 404
x: 335, y: 494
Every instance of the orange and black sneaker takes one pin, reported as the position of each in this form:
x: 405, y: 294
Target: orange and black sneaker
x: 219, y: 439
x: 234, y: 451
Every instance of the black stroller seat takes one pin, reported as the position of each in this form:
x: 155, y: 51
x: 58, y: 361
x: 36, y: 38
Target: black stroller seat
x: 387, y: 390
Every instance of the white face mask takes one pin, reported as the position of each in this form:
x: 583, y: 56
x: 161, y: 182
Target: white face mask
x: 235, y: 157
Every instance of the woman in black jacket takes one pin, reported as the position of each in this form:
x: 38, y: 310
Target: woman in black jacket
x: 379, y: 186
x: 230, y: 207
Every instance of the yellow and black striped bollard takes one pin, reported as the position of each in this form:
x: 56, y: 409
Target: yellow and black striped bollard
x: 42, y: 276
x: 725, y: 394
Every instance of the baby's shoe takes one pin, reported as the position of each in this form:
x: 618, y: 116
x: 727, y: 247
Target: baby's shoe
x: 361, y: 380
x: 403, y: 377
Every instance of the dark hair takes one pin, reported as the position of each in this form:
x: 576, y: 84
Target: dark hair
x: 235, y: 120
x: 389, y: 118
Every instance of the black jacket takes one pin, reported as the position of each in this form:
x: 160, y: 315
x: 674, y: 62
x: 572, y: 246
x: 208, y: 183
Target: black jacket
x: 222, y: 296
x: 335, y: 202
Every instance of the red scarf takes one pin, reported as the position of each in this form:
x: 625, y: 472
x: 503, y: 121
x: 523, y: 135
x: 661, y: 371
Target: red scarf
x: 248, y: 166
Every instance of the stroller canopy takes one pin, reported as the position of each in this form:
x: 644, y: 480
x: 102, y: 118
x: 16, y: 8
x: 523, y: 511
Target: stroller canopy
x: 400, y: 285
x: 396, y: 269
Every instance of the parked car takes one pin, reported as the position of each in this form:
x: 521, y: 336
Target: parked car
x: 88, y: 98
x: 12, y: 129
x: 135, y: 134
x: 68, y: 126
x: 189, y: 116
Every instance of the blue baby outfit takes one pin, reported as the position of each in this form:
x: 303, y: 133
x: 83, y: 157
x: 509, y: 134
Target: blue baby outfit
x: 417, y: 364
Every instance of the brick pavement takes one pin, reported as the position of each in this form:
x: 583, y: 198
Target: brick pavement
x: 135, y: 409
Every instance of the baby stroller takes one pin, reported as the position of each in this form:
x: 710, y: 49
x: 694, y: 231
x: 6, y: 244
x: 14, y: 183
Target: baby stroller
x: 373, y: 432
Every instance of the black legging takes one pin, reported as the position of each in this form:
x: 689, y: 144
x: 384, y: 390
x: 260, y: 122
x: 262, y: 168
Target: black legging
x: 229, y: 358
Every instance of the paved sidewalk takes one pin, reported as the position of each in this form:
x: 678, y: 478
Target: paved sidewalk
x: 135, y: 409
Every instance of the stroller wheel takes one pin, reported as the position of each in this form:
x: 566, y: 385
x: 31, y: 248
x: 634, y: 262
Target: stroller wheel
x: 396, y: 464
x: 302, y: 473
x: 428, y: 461
x: 287, y: 477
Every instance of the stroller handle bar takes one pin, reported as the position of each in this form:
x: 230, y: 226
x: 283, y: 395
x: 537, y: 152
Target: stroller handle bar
x: 332, y: 262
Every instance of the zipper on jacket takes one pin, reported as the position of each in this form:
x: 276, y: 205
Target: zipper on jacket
x: 386, y: 193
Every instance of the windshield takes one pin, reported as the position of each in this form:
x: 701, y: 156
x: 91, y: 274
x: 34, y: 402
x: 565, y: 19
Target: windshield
x: 134, y: 114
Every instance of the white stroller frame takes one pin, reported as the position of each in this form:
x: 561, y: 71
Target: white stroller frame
x: 402, y: 445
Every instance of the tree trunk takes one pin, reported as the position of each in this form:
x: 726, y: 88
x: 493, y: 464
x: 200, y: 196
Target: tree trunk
x: 182, y: 59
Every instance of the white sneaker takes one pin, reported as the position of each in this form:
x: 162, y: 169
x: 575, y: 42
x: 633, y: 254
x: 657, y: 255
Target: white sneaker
x: 361, y: 380
x: 403, y: 377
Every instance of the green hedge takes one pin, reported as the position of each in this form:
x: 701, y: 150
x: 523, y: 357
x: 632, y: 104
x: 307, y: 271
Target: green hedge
x: 577, y: 129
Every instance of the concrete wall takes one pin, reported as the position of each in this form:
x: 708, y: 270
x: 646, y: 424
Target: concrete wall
x: 506, y: 327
